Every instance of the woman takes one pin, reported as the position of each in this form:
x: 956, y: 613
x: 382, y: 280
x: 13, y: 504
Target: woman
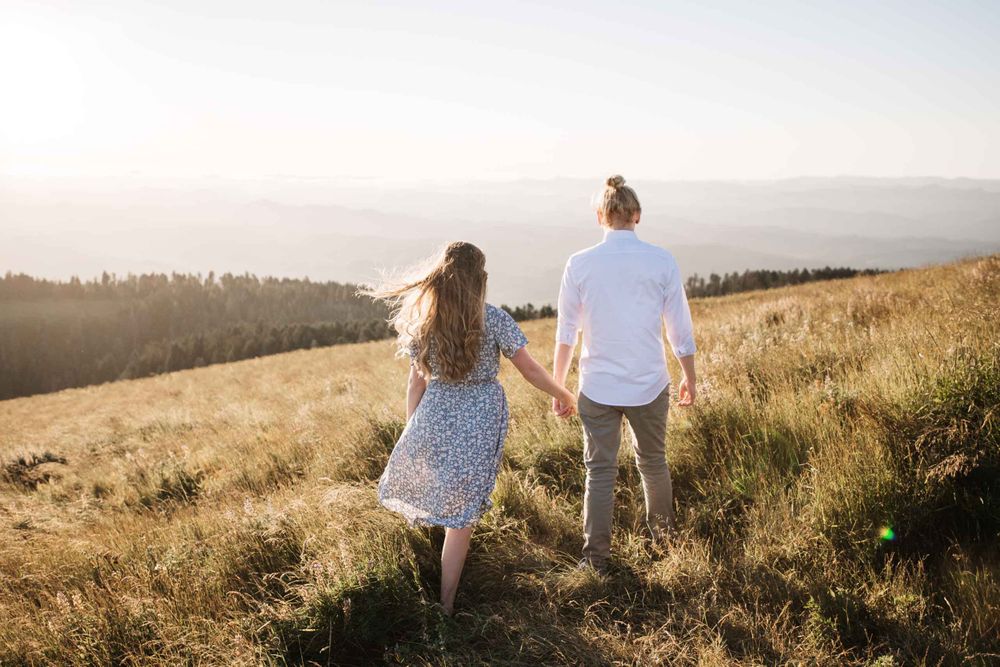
x: 444, y: 466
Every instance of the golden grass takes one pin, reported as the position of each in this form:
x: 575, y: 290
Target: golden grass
x: 227, y: 515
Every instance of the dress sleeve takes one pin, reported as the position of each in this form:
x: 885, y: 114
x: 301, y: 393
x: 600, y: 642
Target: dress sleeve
x: 412, y: 349
x: 508, y: 334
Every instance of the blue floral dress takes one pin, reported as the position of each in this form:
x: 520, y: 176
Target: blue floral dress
x: 444, y: 466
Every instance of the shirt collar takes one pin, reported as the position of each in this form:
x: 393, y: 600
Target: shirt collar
x: 618, y: 235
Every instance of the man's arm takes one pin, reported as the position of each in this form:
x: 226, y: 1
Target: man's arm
x: 562, y: 357
x: 680, y: 333
x: 567, y: 326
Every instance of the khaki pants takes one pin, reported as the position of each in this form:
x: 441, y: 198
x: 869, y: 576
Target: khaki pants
x: 602, y: 431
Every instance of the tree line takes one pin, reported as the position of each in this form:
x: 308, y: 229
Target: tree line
x: 57, y: 334
x: 529, y: 312
x: 731, y: 283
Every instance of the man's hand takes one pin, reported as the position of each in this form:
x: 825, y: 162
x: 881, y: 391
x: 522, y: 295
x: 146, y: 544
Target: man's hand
x: 686, y: 393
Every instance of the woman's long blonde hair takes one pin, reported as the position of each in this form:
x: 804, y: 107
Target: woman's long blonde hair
x: 443, y: 303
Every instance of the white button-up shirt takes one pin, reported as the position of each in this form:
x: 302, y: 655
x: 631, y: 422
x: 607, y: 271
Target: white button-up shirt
x: 620, y: 293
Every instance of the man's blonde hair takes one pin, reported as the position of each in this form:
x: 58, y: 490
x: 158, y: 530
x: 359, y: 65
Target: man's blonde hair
x: 617, y: 204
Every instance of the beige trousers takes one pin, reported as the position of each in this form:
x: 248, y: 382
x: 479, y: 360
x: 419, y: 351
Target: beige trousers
x: 602, y: 434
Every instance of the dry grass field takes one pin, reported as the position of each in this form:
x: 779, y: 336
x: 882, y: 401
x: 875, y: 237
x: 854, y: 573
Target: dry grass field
x: 227, y: 515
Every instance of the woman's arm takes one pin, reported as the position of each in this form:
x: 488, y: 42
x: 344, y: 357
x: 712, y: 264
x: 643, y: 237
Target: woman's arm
x: 415, y: 387
x: 538, y: 377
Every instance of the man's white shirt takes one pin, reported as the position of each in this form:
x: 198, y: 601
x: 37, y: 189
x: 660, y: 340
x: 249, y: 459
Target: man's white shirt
x: 620, y: 293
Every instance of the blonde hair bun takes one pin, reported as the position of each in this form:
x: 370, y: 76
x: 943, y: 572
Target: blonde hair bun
x: 616, y: 204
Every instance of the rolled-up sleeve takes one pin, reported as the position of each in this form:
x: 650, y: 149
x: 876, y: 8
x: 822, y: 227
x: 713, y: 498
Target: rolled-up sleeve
x: 677, y: 316
x: 568, y: 323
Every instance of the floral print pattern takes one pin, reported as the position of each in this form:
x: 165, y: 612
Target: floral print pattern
x: 444, y: 466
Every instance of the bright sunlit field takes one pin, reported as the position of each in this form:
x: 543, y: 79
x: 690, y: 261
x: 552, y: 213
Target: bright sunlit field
x: 837, y: 487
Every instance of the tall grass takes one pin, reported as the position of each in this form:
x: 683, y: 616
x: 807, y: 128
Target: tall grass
x: 227, y: 515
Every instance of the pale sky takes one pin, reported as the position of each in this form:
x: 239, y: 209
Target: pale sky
x: 453, y: 90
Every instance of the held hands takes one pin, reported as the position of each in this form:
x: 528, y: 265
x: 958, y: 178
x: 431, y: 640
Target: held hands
x: 564, y: 402
x: 564, y: 406
x: 686, y: 393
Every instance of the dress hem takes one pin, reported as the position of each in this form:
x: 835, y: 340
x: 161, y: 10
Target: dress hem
x: 401, y: 507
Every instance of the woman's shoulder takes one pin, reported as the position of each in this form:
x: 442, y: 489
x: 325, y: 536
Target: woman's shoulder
x: 495, y: 314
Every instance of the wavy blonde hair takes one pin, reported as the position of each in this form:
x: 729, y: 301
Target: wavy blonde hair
x: 617, y: 203
x: 442, y: 303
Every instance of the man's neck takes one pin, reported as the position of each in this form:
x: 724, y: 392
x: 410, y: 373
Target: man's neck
x: 619, y: 233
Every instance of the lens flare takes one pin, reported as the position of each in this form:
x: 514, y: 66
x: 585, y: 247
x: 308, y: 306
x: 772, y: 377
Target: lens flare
x: 887, y: 534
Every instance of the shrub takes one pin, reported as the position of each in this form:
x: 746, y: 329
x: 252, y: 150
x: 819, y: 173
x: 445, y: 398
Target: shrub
x: 174, y: 484
x: 27, y: 471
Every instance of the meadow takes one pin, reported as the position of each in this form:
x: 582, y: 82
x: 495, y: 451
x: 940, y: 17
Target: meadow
x: 837, y: 490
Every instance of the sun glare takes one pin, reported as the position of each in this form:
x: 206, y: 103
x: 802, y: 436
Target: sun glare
x: 42, y: 85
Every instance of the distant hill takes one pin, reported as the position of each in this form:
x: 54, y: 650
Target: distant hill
x: 333, y: 231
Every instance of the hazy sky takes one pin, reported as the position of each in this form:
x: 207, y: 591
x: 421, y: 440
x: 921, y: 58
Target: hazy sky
x: 450, y: 90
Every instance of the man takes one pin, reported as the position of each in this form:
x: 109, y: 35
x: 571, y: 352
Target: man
x: 620, y: 293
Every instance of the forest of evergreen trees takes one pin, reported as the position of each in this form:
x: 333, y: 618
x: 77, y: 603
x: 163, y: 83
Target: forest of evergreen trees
x: 731, y: 283
x: 68, y: 334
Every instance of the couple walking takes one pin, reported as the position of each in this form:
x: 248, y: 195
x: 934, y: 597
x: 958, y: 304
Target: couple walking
x: 619, y: 293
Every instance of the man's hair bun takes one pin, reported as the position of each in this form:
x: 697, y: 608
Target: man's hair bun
x: 616, y: 203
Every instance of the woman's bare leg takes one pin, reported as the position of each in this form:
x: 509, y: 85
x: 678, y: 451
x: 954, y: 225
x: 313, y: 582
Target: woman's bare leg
x: 456, y: 546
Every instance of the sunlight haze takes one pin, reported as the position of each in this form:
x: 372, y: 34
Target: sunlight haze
x: 511, y: 90
x: 334, y: 139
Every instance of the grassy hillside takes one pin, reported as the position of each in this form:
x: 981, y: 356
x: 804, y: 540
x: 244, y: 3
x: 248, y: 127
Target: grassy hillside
x: 227, y: 515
